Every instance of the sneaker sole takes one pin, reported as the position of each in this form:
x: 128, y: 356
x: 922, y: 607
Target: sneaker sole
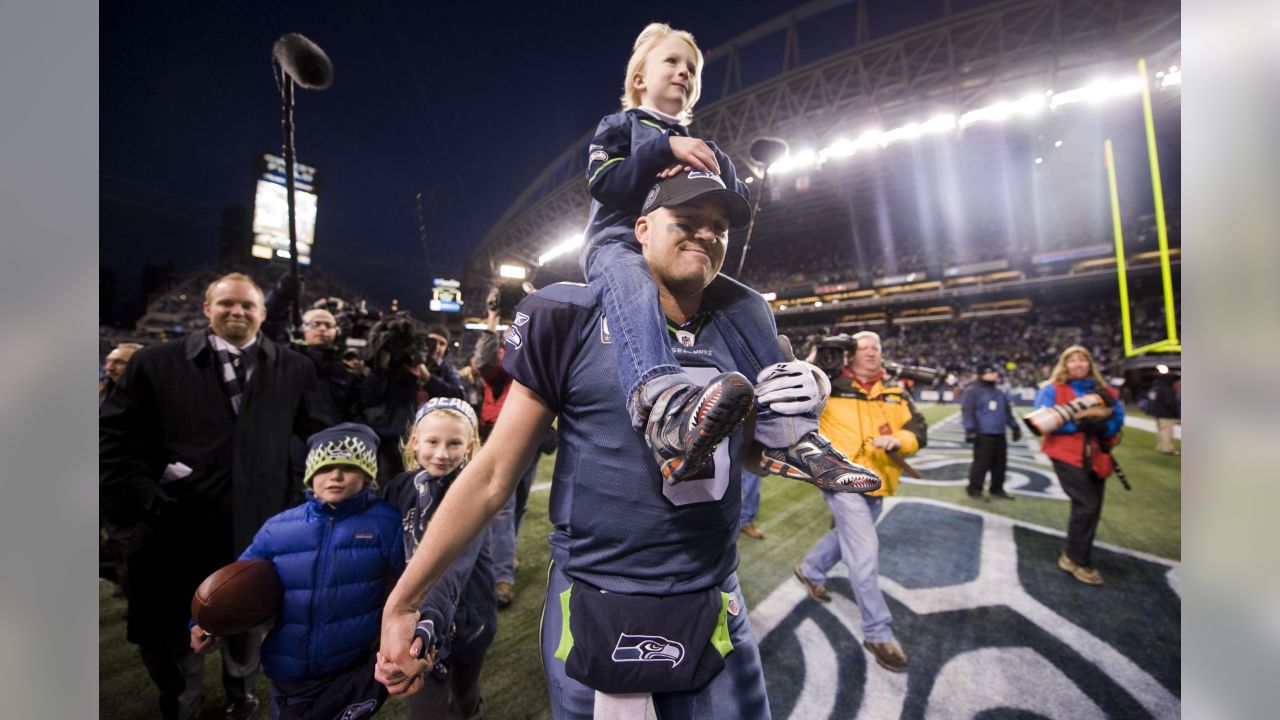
x: 787, y: 470
x: 721, y: 413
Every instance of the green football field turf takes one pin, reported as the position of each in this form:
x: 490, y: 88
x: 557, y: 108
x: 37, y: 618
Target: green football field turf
x: 793, y: 517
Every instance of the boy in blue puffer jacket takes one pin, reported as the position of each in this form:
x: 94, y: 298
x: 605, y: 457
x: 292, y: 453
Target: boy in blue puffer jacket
x: 336, y: 554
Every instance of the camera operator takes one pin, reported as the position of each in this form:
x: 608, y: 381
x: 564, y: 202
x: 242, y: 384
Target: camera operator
x: 337, y: 389
x: 340, y: 386
x: 1080, y: 451
x: 869, y: 416
x: 987, y: 410
x: 406, y: 369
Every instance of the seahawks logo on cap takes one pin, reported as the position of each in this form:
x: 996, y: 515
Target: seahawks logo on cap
x: 647, y: 648
x: 706, y: 174
x: 651, y: 197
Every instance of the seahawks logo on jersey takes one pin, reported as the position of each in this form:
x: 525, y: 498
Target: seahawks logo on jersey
x: 647, y: 648
x: 359, y: 710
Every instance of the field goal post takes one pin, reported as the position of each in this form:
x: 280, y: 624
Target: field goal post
x: 1170, y: 343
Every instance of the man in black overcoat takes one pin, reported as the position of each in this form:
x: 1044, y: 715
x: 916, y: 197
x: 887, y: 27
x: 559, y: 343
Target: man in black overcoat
x: 194, y: 455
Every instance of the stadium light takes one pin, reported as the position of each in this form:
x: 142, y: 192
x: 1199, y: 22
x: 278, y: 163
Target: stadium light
x: 500, y: 327
x: 1171, y: 78
x: 840, y: 148
x: 939, y: 123
x: 910, y: 131
x: 1029, y: 105
x: 1098, y: 91
x: 517, y: 272
x: 570, y: 243
x: 796, y: 161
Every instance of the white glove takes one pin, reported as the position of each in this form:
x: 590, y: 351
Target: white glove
x: 793, y: 388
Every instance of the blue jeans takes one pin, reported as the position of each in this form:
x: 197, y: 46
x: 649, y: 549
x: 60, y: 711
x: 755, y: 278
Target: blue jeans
x: 737, y: 692
x: 750, y: 498
x: 854, y: 540
x: 620, y: 279
x: 505, y: 527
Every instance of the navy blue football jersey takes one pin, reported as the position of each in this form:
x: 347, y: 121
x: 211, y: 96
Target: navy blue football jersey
x: 618, y: 525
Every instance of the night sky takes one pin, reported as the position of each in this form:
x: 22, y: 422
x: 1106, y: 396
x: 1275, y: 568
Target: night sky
x: 463, y: 102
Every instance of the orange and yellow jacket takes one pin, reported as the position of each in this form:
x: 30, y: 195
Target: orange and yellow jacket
x: 855, y: 416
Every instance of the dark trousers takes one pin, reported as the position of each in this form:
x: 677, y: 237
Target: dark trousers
x: 990, y: 453
x: 456, y: 694
x: 349, y: 694
x: 168, y: 558
x: 1085, y: 490
x: 179, y: 673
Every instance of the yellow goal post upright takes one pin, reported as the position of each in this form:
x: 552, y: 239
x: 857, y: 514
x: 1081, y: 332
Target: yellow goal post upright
x: 1171, y: 342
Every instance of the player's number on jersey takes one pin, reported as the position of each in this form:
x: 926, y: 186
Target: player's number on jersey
x: 712, y: 480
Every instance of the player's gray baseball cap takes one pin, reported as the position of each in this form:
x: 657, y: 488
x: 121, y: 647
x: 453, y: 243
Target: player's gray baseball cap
x: 686, y: 187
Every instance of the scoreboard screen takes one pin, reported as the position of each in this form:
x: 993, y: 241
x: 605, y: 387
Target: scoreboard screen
x: 446, y: 295
x: 271, y: 211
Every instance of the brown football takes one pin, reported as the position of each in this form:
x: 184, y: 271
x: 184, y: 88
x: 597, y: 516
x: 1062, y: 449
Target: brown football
x: 237, y: 597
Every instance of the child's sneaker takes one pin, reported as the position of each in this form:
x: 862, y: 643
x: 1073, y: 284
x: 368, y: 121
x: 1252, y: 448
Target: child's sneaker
x: 687, y: 422
x: 814, y: 460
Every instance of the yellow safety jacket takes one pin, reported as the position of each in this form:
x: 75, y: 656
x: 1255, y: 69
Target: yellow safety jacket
x: 854, y: 418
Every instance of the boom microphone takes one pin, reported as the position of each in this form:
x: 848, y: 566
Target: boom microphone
x: 304, y: 61
x: 767, y: 150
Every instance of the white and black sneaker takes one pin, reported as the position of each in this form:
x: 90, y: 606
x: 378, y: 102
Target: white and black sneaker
x: 815, y: 461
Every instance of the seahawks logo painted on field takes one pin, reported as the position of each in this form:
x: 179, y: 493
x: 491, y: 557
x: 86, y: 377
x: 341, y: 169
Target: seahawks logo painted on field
x: 946, y: 460
x: 993, y: 627
x: 647, y: 648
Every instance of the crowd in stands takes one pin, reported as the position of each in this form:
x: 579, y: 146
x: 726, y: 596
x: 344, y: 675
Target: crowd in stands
x: 1024, y: 346
x: 774, y: 264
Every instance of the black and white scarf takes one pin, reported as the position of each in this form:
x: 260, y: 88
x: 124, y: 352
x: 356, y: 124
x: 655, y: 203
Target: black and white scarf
x: 236, y: 367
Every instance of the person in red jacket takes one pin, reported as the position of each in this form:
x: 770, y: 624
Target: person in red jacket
x: 1080, y: 451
